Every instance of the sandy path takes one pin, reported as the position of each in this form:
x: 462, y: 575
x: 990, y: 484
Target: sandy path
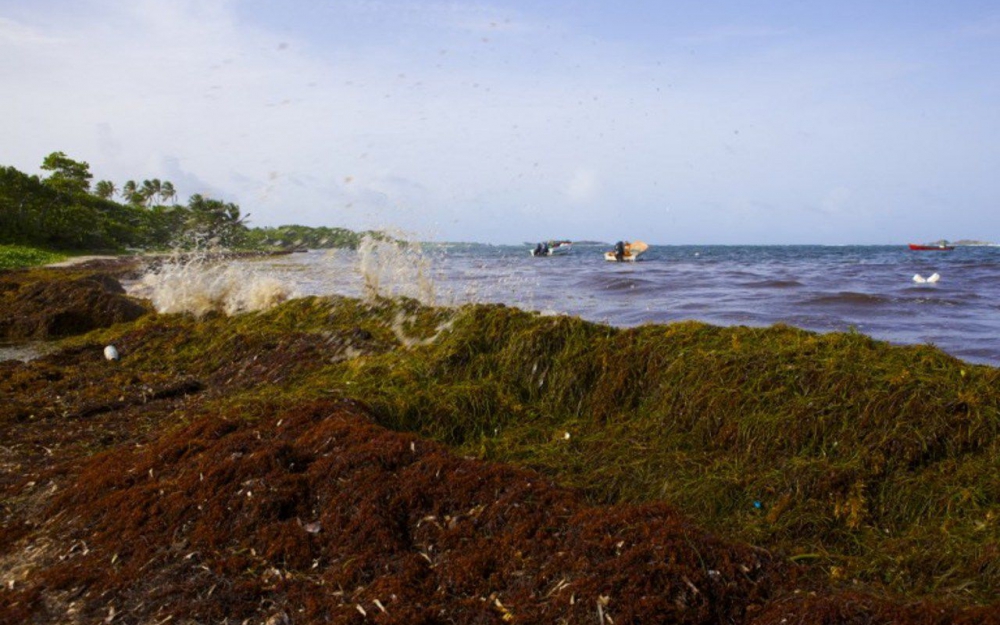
x: 80, y: 260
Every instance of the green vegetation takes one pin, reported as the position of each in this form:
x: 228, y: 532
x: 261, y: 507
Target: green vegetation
x: 305, y: 237
x: 17, y: 256
x: 68, y: 176
x: 872, y: 464
x: 62, y: 212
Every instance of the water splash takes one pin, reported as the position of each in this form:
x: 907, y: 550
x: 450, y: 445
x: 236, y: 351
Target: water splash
x: 396, y: 268
x: 399, y: 328
x: 199, y: 285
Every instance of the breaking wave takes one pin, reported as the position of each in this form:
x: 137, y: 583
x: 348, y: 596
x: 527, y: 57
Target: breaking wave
x: 200, y: 285
x: 396, y: 268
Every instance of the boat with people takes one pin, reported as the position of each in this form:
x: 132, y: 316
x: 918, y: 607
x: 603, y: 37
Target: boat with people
x: 552, y: 248
x: 932, y: 247
x: 625, y: 251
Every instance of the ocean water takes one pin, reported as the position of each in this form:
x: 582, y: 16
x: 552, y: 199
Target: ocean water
x: 869, y: 289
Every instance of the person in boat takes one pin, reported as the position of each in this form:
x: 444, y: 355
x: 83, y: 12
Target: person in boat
x: 620, y: 251
x: 542, y: 249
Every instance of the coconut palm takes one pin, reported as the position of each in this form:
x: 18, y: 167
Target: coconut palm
x: 131, y: 193
x: 105, y: 189
x: 217, y: 221
x: 151, y: 189
x: 167, y: 192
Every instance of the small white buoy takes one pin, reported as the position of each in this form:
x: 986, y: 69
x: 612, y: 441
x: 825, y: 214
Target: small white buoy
x: 111, y: 352
x: 919, y: 279
x: 934, y: 278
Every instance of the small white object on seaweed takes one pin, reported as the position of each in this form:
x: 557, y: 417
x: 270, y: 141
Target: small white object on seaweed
x: 111, y: 352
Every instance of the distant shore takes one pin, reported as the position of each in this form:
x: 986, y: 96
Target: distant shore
x: 109, y: 262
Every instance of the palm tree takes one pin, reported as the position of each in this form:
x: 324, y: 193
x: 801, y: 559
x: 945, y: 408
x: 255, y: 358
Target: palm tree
x: 216, y: 220
x: 105, y: 189
x: 151, y: 189
x: 130, y: 191
x: 167, y: 192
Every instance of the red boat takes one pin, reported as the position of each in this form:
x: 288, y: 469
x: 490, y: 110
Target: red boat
x: 932, y: 248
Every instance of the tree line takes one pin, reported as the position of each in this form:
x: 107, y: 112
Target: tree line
x: 64, y: 211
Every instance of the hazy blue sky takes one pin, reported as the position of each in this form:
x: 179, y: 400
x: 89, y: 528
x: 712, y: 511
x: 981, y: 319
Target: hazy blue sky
x: 674, y: 122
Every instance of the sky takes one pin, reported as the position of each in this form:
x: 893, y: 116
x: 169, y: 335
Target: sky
x: 717, y: 122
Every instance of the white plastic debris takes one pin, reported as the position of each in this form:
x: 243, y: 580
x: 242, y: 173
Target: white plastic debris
x: 111, y: 352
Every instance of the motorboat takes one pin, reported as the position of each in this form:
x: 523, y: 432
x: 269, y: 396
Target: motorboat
x: 626, y: 251
x: 552, y: 248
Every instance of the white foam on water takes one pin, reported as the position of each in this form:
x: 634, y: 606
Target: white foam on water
x: 381, y: 267
x: 200, y: 285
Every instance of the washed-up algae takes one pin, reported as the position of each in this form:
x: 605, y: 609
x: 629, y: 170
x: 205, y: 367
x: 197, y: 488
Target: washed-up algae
x: 876, y: 463
x: 316, y: 512
x: 858, y: 464
x: 52, y: 303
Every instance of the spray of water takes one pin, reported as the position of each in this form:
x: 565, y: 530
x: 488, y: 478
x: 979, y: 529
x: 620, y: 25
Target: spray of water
x: 394, y: 267
x: 398, y: 328
x: 203, y: 282
x: 197, y: 284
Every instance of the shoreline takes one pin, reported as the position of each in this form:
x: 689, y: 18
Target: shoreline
x: 112, y: 261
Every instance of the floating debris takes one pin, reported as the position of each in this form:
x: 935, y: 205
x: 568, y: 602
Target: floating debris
x: 919, y: 279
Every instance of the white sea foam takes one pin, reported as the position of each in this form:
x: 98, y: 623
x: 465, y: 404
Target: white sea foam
x: 200, y: 286
x: 201, y: 283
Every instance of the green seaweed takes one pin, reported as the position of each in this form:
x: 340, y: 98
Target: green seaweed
x: 871, y: 463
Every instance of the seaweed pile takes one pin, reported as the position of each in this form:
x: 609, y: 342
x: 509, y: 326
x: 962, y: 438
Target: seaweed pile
x: 51, y: 303
x: 316, y: 514
x: 338, y: 460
